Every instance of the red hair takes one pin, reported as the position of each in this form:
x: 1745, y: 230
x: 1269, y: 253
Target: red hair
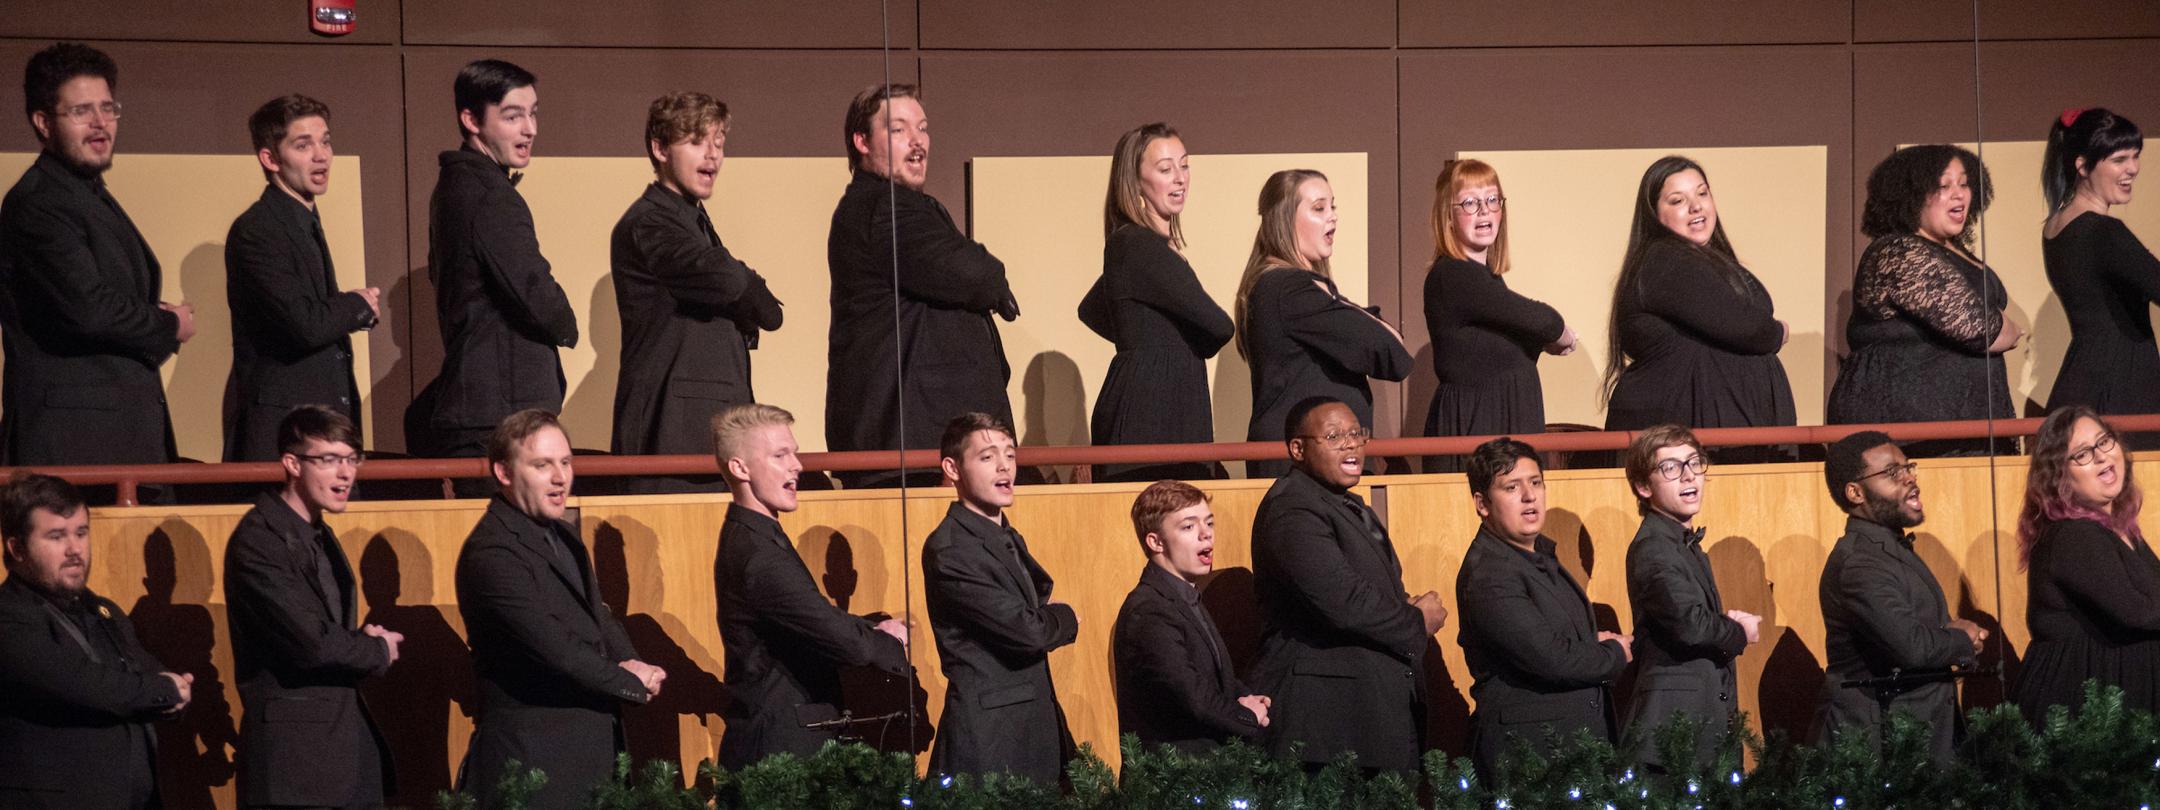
x: 2048, y: 498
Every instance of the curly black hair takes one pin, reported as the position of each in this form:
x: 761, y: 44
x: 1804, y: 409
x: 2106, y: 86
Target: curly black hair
x: 1900, y: 186
x: 57, y: 65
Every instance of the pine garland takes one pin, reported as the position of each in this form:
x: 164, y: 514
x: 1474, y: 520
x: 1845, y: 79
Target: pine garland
x: 2103, y: 755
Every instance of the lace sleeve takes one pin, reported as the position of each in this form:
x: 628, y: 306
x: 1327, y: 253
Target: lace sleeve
x: 1907, y: 275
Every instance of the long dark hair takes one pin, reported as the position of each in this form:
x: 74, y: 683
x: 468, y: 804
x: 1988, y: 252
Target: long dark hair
x: 1647, y: 231
x: 2047, y: 485
x: 2092, y: 134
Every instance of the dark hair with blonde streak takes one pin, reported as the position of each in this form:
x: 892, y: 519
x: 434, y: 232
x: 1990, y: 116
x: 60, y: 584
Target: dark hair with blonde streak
x: 2047, y: 484
x: 681, y: 116
x: 1459, y: 175
x: 1275, y: 243
x: 1123, y: 204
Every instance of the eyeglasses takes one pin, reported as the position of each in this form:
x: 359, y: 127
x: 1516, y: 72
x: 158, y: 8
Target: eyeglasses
x: 2091, y: 455
x: 326, y: 460
x: 1340, y: 440
x: 1671, y: 467
x: 1480, y: 206
x: 1899, y: 473
x: 87, y: 112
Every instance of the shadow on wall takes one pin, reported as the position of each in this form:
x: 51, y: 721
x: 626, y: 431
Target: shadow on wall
x: 393, y: 388
x: 182, y: 630
x: 626, y: 560
x: 2044, y: 353
x: 1790, y: 676
x: 196, y: 394
x: 413, y: 701
x: 589, y: 408
x: 831, y: 556
x: 1054, y: 407
x: 1982, y: 555
x: 1232, y: 401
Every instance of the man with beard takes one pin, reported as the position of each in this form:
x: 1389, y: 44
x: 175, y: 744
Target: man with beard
x: 502, y: 315
x: 1883, y: 611
x: 77, y: 690
x: 785, y: 642
x: 887, y: 232
x: 291, y: 326
x: 306, y: 739
x: 83, y: 328
x: 1342, y: 648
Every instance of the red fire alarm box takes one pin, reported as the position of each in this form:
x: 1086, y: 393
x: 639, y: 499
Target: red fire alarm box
x: 331, y: 18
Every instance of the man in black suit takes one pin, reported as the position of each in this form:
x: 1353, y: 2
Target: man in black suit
x: 1543, y: 671
x: 992, y: 616
x: 785, y: 642
x: 1883, y: 611
x: 1175, y: 684
x: 290, y: 324
x: 691, y: 311
x: 948, y: 286
x: 1342, y: 649
x: 77, y: 690
x: 306, y: 739
x: 553, y: 665
x: 81, y: 322
x: 1685, y: 639
x: 502, y: 315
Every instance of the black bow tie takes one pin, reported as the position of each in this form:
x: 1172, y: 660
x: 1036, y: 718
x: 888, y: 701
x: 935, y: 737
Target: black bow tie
x: 1693, y: 536
x: 515, y: 177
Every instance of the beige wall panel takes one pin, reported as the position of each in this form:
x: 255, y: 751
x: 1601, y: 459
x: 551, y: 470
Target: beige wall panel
x: 1052, y: 248
x: 1568, y: 217
x: 184, y: 205
x: 773, y: 213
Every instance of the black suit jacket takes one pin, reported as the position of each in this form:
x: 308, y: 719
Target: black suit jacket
x: 74, y: 719
x: 948, y: 286
x: 1884, y: 611
x: 81, y: 327
x: 785, y: 643
x: 1175, y: 685
x: 1684, y: 644
x: 502, y: 315
x: 289, y: 325
x: 547, y: 653
x: 1539, y: 671
x: 1342, y: 651
x: 995, y: 628
x: 691, y: 313
x: 1304, y: 341
x: 299, y: 658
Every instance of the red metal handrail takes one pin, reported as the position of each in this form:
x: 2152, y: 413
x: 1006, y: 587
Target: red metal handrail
x: 127, y: 477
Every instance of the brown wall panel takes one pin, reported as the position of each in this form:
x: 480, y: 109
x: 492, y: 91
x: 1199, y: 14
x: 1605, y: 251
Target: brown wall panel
x: 1468, y: 23
x: 1610, y: 98
x: 1935, y: 20
x: 223, y: 21
x: 1228, y: 102
x: 1147, y: 24
x: 664, y: 23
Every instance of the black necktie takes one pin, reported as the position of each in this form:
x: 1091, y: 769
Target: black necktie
x: 326, y: 578
x: 1019, y: 563
x: 322, y: 246
x: 712, y: 236
x: 1207, y: 627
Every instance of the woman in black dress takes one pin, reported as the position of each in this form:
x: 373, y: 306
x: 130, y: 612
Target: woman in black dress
x: 1150, y: 303
x: 1695, y: 337
x: 2092, y: 583
x: 2106, y: 279
x: 1927, y: 331
x: 1485, y: 337
x: 1302, y: 338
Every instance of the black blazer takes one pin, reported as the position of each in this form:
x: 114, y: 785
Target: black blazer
x: 785, y: 643
x: 547, y: 653
x: 1150, y: 303
x: 76, y: 704
x: 501, y: 313
x: 289, y: 324
x: 299, y: 657
x: 1303, y: 342
x: 1684, y: 644
x: 948, y: 286
x: 691, y: 313
x: 1342, y: 651
x: 995, y: 628
x: 1538, y: 669
x: 1175, y: 685
x: 81, y: 327
x: 1884, y: 611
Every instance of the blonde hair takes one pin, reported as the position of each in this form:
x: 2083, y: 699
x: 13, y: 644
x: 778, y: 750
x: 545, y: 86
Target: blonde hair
x: 731, y: 425
x: 1447, y: 244
x: 1123, y: 203
x: 1274, y: 244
